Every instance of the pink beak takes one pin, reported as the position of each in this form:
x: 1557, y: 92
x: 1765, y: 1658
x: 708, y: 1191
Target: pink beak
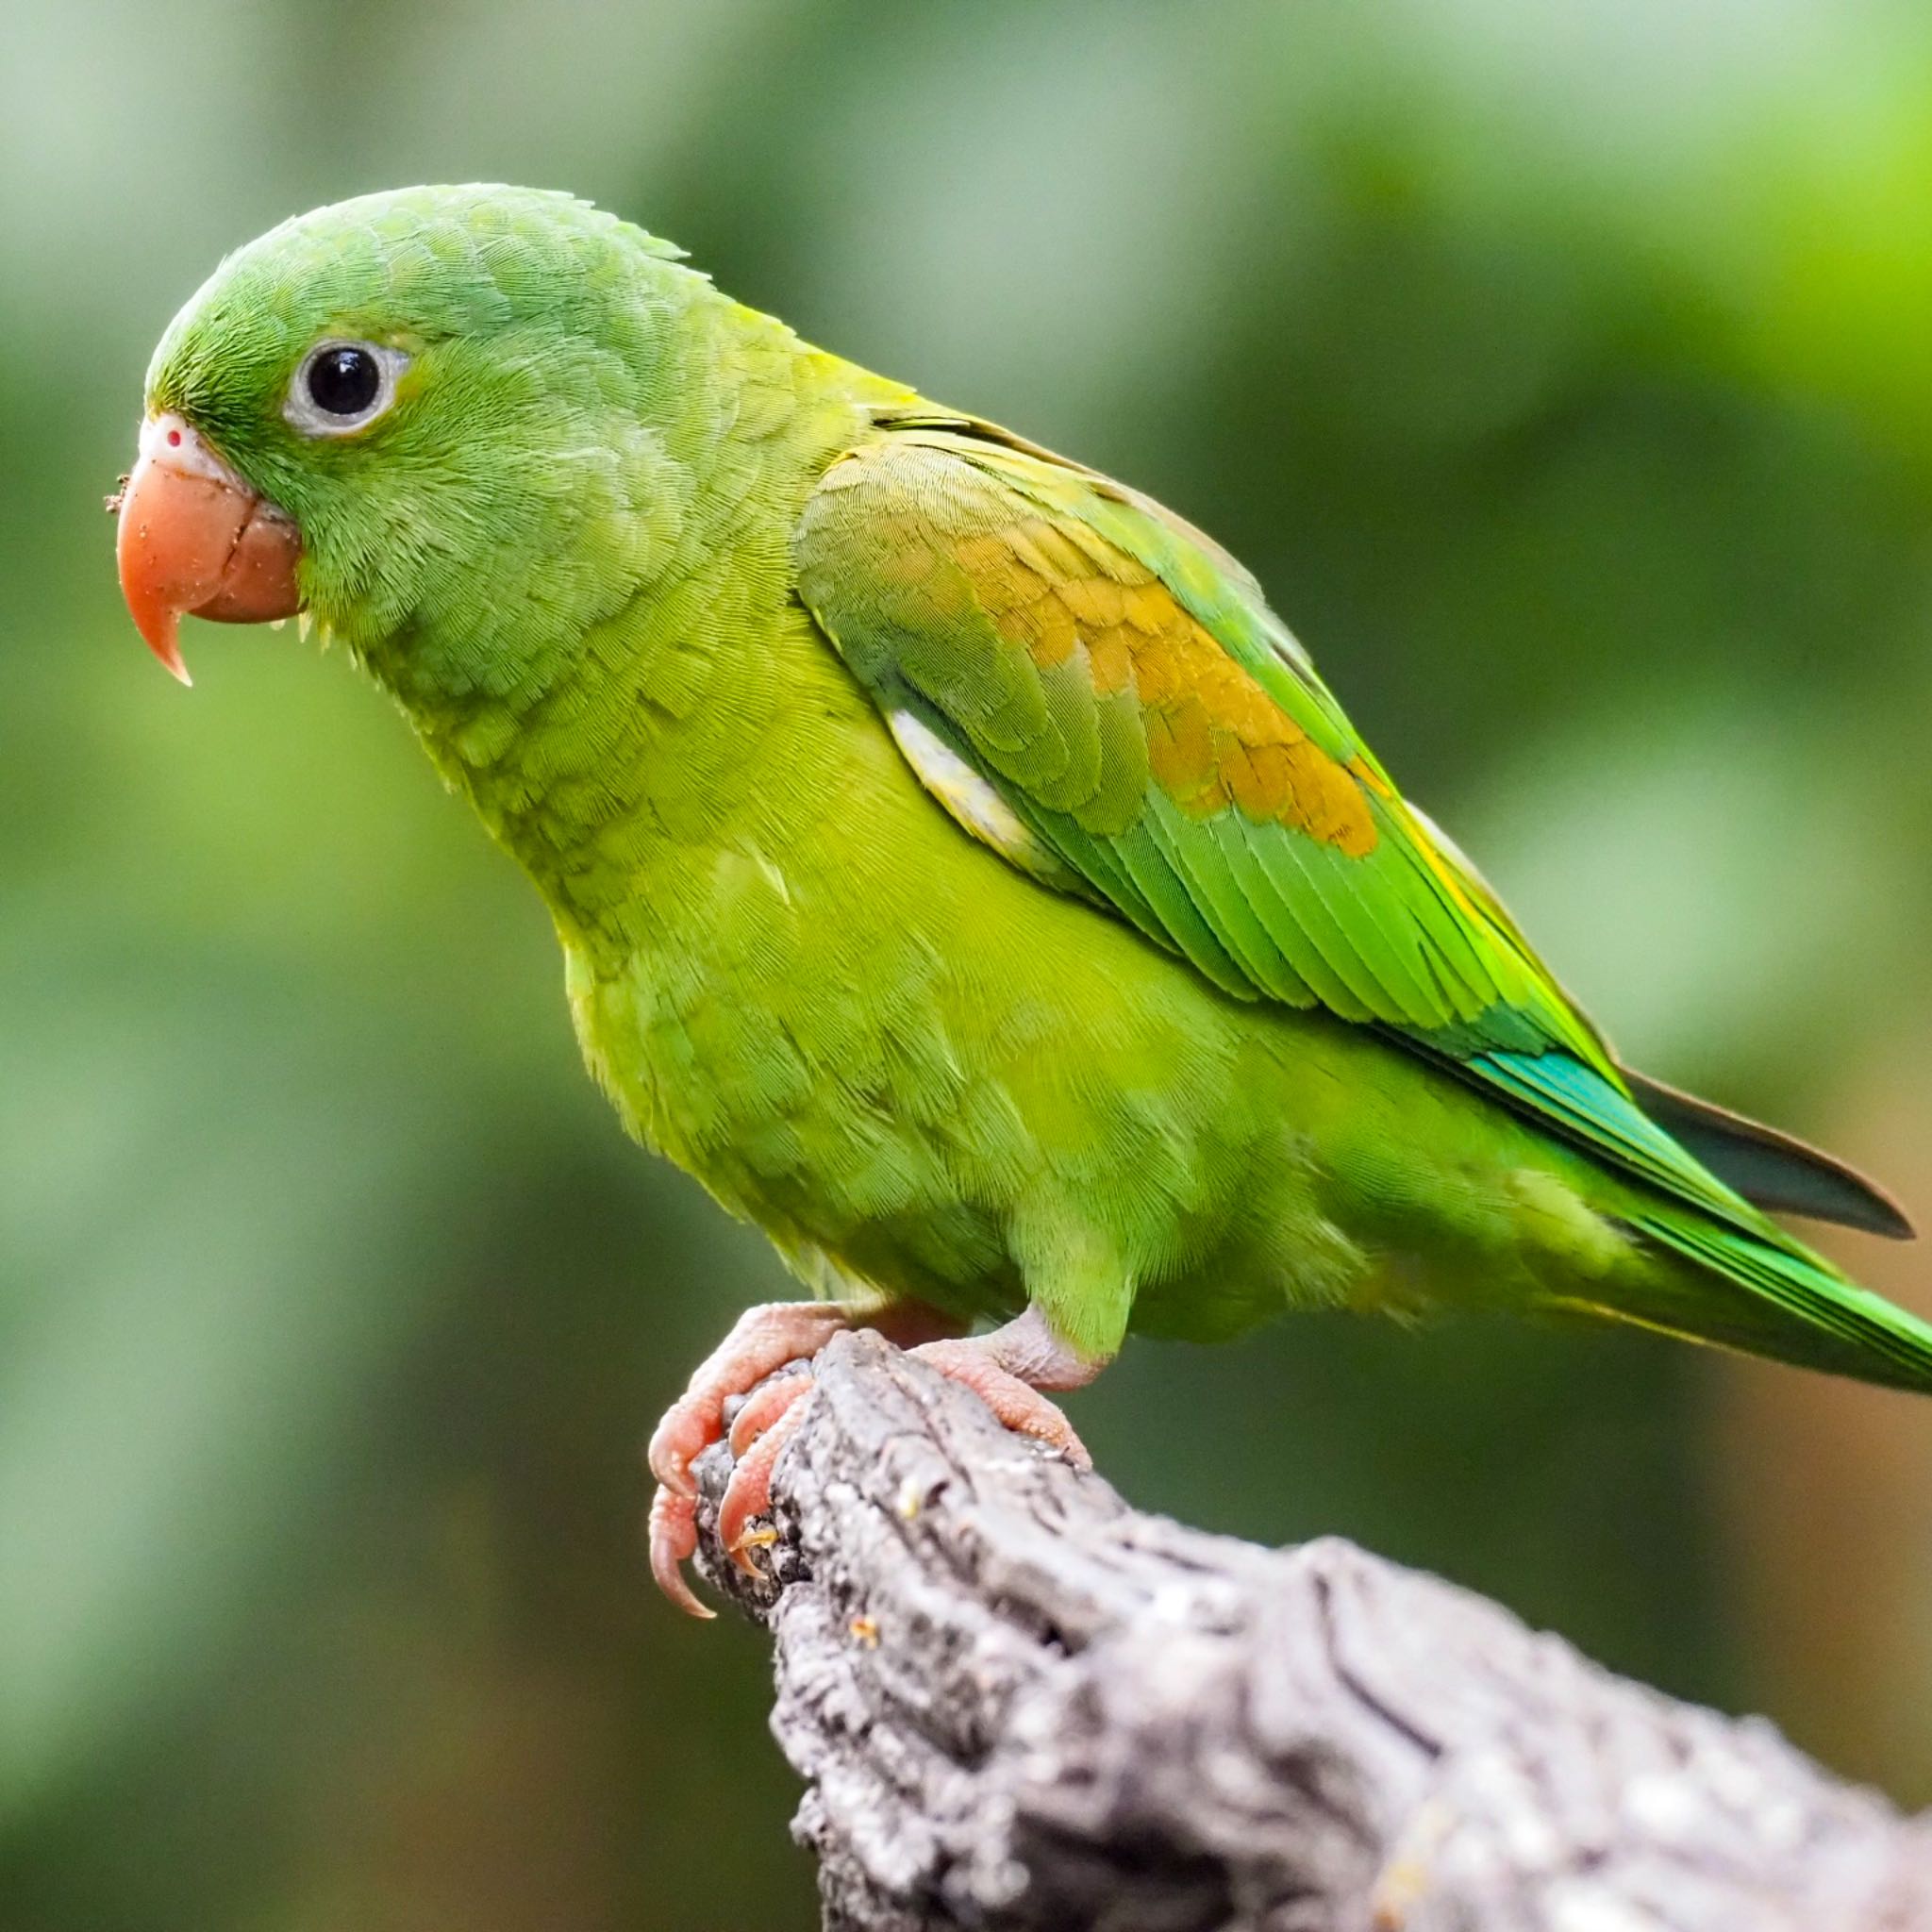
x: 196, y: 539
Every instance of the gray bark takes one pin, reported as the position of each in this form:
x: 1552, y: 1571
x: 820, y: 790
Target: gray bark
x: 1017, y: 1703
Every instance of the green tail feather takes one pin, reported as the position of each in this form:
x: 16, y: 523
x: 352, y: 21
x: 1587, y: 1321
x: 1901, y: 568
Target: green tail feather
x: 1786, y: 1305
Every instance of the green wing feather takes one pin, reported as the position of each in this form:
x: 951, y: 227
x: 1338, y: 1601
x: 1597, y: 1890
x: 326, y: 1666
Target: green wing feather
x: 1121, y: 685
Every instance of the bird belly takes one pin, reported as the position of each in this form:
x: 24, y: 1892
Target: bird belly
x: 917, y: 1069
x: 975, y: 1092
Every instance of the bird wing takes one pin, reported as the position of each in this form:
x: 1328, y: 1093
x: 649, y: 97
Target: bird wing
x: 1101, y: 694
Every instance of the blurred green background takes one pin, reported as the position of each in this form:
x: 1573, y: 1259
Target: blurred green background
x: 1565, y: 374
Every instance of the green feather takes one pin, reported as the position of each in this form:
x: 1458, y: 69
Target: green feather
x: 1787, y: 1305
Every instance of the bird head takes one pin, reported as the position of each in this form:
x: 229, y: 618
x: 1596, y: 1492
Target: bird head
x: 433, y: 418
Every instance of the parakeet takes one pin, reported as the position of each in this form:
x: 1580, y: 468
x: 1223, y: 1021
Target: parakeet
x: 958, y: 867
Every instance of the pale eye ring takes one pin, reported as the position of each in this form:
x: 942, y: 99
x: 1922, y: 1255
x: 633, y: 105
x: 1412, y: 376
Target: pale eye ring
x: 342, y: 386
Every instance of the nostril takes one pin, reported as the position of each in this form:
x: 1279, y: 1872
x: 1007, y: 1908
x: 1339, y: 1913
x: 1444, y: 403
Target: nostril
x: 173, y: 439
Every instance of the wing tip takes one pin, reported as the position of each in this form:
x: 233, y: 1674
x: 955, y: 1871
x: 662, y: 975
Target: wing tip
x: 1770, y: 1168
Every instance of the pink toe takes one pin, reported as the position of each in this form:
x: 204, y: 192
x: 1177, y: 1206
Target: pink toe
x: 676, y: 1443
x: 762, y: 1407
x: 1016, y: 1405
x: 762, y: 1341
x: 748, y: 1494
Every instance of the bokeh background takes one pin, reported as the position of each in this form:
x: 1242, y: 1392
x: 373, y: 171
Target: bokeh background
x: 1565, y: 372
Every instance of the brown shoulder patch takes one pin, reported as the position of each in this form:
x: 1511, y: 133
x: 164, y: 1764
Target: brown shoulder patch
x: 1215, y: 738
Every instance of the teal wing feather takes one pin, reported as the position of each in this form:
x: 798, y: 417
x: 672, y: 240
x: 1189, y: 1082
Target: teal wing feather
x: 1102, y: 693
x: 1768, y: 1167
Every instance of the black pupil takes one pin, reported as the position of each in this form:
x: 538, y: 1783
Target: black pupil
x: 343, y: 382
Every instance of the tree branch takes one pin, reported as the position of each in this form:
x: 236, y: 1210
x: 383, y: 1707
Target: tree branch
x: 1017, y: 1703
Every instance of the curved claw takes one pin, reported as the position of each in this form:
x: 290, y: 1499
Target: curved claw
x: 673, y: 1542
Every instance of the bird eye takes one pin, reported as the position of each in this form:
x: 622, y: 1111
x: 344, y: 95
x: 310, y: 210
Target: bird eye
x: 341, y: 387
x: 343, y: 381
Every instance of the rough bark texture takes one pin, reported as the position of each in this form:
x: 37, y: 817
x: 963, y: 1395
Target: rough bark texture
x: 1017, y: 1703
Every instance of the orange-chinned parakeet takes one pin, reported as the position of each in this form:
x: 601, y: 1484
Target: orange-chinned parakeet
x: 959, y: 868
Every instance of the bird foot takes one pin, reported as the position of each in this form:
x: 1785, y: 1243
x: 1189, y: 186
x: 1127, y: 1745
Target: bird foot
x: 1016, y: 1405
x: 762, y: 1341
x: 772, y: 1415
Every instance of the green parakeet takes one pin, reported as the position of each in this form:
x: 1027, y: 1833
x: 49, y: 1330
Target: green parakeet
x: 959, y: 868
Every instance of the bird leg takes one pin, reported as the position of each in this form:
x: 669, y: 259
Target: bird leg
x: 763, y: 1340
x: 1006, y: 1369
